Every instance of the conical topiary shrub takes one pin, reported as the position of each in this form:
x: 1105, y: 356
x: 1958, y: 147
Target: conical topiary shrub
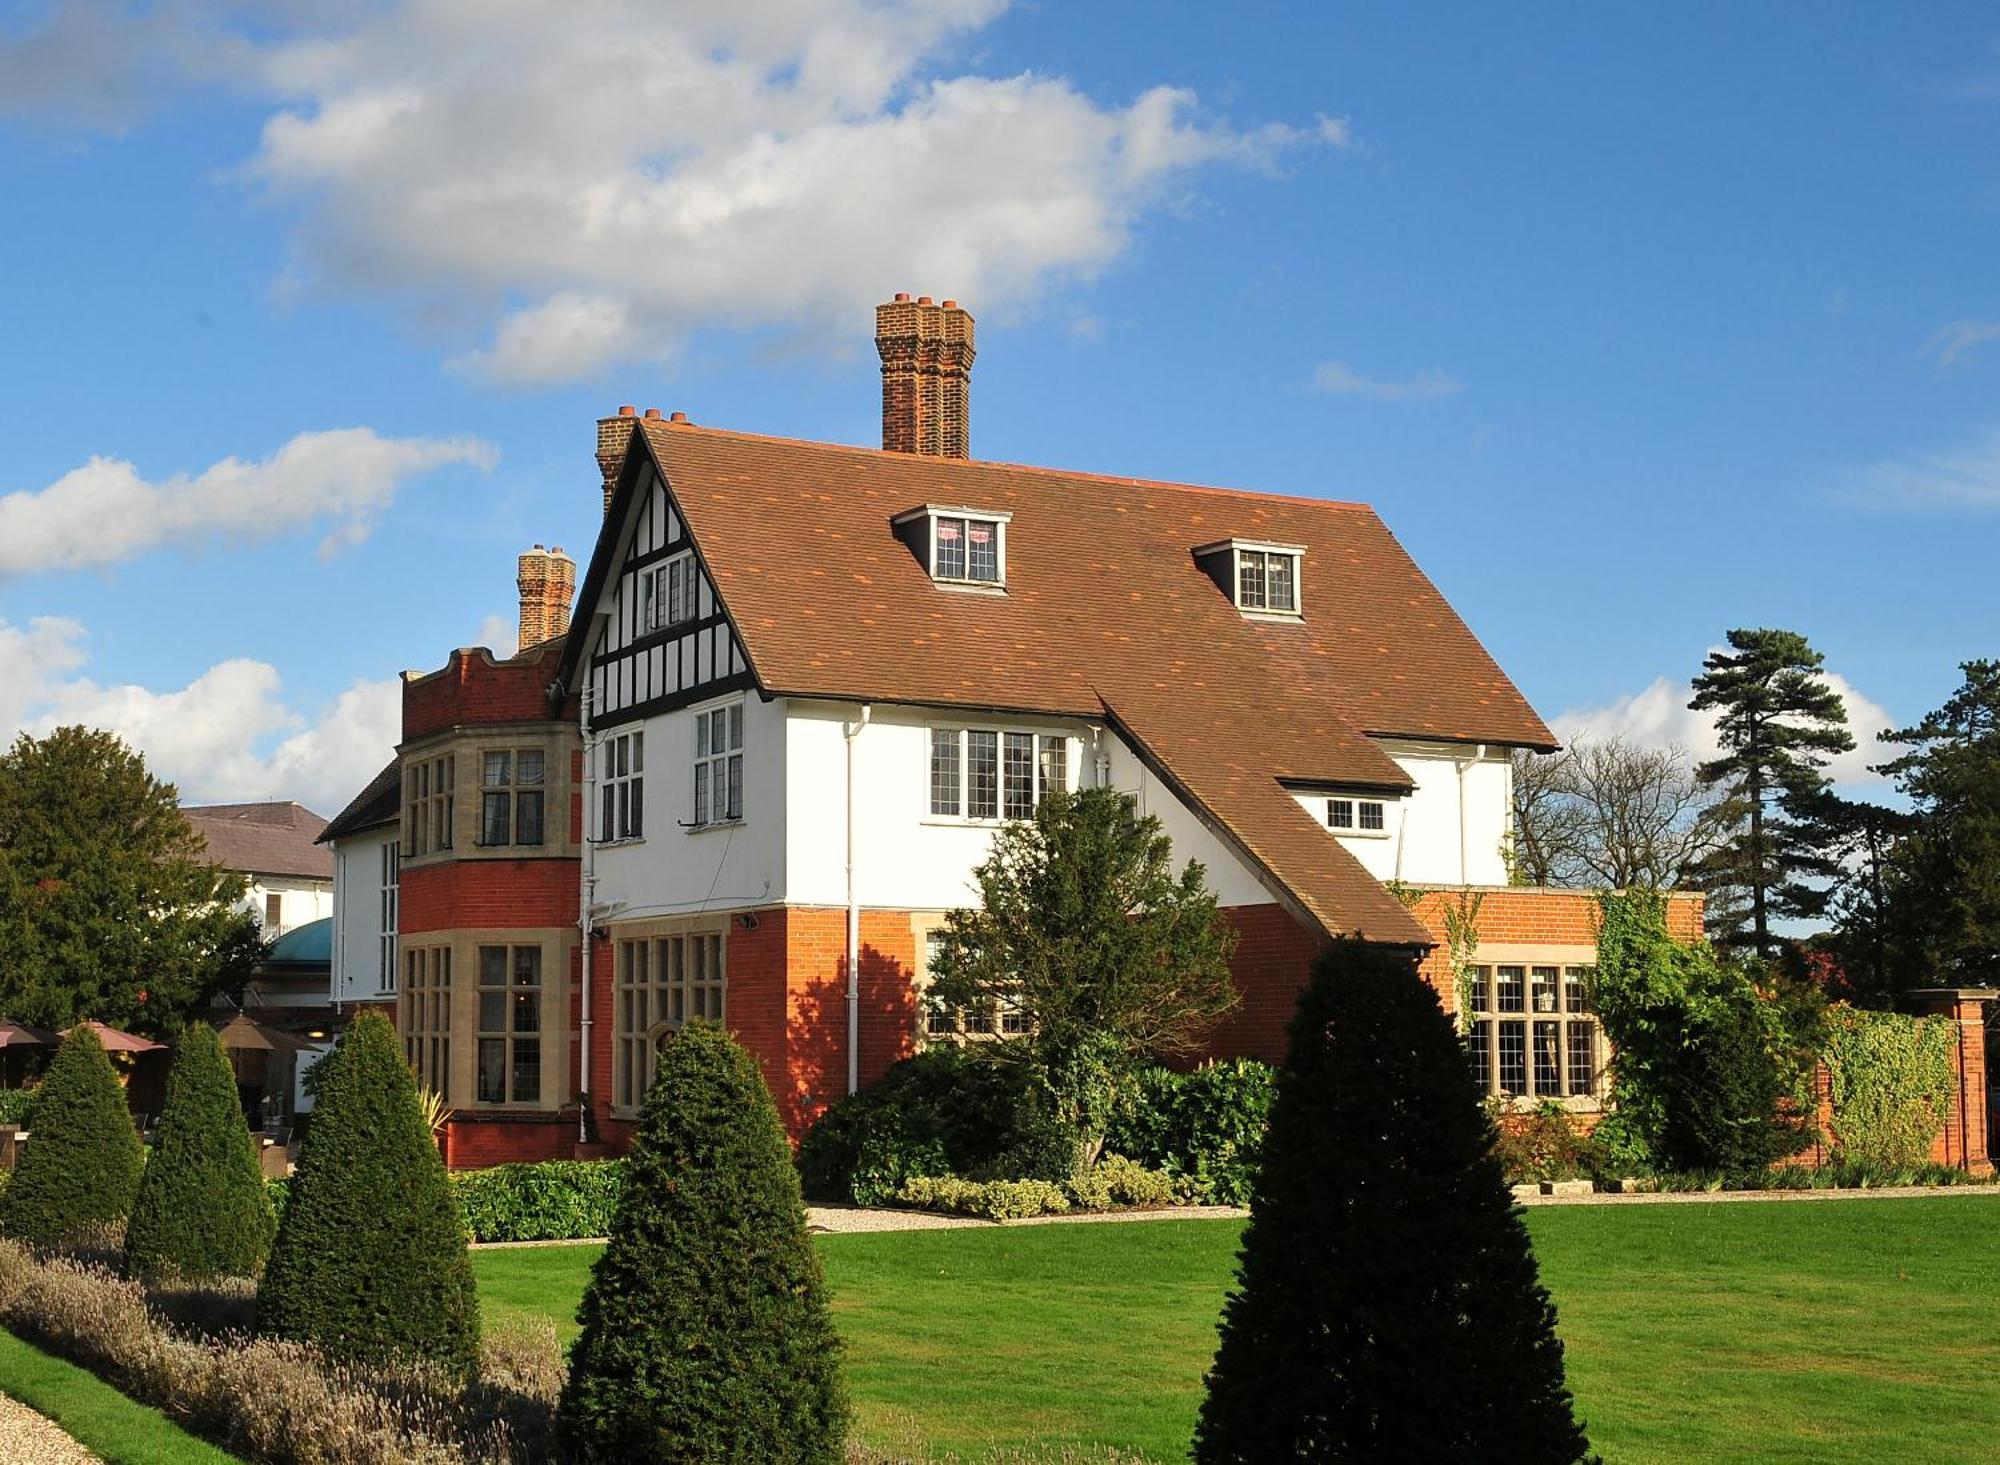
x: 202, y: 1211
x: 370, y: 1263
x: 1388, y: 1306
x: 705, y: 1329
x: 80, y: 1167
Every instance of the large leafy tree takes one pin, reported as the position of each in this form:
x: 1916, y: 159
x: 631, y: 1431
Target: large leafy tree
x: 1778, y: 721
x: 1086, y: 931
x: 1943, y: 882
x: 108, y: 907
x: 1388, y: 1305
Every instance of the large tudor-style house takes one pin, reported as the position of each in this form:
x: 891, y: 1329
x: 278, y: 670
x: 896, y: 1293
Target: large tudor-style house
x: 805, y: 683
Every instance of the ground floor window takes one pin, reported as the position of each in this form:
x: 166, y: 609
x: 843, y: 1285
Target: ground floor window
x: 1531, y: 1033
x: 426, y: 1024
x: 660, y: 983
x: 1003, y: 1015
x: 510, y: 1025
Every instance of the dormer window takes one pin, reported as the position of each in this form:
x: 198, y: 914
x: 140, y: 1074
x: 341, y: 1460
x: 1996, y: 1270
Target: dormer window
x: 1263, y: 579
x: 957, y: 546
x: 1356, y: 816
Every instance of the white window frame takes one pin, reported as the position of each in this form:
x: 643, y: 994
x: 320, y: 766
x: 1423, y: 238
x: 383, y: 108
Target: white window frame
x: 621, y: 782
x: 1264, y: 555
x: 935, y: 516
x: 1040, y: 786
x: 391, y: 901
x: 713, y: 768
x: 1357, y: 811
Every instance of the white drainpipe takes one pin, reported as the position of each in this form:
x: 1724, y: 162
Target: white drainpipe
x: 853, y: 731
x: 587, y: 897
x: 1464, y: 856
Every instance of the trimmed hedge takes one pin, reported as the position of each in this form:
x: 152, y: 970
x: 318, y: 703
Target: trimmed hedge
x: 202, y: 1211
x: 555, y: 1200
x: 80, y: 1170
x: 1203, y: 1127
x: 705, y: 1330
x: 370, y: 1264
x: 17, y: 1107
x: 951, y: 1109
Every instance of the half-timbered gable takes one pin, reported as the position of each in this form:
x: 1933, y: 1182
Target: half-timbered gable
x: 662, y: 638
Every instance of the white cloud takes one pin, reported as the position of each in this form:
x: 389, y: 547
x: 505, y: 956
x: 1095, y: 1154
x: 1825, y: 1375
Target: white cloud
x: 595, y: 184
x: 230, y: 734
x: 1343, y: 380
x: 1957, y: 341
x: 104, y: 512
x: 500, y: 635
x: 1954, y: 482
x: 1658, y: 716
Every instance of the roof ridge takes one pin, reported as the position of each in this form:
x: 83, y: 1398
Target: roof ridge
x: 1124, y: 480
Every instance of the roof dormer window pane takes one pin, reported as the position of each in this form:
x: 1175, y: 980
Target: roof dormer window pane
x: 951, y: 549
x: 983, y: 540
x: 1250, y: 578
x: 1278, y: 581
x: 1267, y: 579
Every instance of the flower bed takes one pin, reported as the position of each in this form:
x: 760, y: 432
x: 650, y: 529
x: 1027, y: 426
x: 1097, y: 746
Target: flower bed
x: 278, y: 1403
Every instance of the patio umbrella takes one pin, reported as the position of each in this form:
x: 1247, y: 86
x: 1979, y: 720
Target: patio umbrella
x: 115, y: 1041
x: 245, y: 1032
x: 20, y: 1035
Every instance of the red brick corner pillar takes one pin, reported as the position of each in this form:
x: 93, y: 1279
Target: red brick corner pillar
x: 1964, y: 1142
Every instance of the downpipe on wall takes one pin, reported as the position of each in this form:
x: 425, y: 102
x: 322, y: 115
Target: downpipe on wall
x: 852, y: 730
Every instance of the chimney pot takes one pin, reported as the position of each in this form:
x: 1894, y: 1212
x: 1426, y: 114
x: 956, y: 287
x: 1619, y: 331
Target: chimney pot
x: 627, y: 411
x: 925, y: 300
x: 680, y: 417
x: 902, y: 297
x: 951, y: 305
x: 652, y: 414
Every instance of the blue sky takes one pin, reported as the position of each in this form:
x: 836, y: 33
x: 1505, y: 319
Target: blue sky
x: 1635, y: 324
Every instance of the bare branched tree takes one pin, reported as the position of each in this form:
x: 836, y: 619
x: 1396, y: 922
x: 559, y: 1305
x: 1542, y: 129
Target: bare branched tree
x: 1607, y: 814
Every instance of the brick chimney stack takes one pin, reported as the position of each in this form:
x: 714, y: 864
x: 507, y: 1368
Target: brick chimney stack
x: 547, y: 581
x: 614, y: 436
x: 927, y: 353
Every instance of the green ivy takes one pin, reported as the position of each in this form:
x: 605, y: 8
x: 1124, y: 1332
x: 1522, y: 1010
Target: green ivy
x: 1892, y: 1078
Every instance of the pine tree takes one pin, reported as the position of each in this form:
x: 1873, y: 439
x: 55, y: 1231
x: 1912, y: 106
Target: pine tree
x: 1388, y: 1305
x: 370, y: 1264
x: 706, y: 1334
x: 202, y: 1211
x: 80, y: 1168
x: 1778, y: 722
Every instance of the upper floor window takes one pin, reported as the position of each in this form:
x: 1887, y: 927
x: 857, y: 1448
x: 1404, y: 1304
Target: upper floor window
x: 718, y: 765
x: 510, y: 796
x: 1530, y: 1031
x: 1259, y: 577
x: 668, y: 593
x: 992, y: 773
x: 958, y: 546
x: 622, y: 786
x: 429, y: 804
x: 1357, y: 816
x: 274, y: 910
x: 392, y: 885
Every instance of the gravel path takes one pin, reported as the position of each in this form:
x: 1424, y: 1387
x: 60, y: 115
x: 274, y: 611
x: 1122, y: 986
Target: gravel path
x: 842, y: 1220
x: 1696, y: 1197
x: 27, y: 1438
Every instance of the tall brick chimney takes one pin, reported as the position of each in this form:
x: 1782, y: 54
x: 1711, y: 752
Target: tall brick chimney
x: 927, y: 353
x: 547, y: 581
x: 614, y: 436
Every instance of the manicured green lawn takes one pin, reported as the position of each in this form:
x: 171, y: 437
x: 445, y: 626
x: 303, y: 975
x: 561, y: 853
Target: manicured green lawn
x: 104, y: 1420
x: 1808, y: 1331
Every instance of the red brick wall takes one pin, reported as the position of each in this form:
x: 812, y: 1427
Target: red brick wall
x: 476, y: 1141
x: 1533, y: 917
x: 469, y: 894
x: 471, y: 690
x: 1273, y: 954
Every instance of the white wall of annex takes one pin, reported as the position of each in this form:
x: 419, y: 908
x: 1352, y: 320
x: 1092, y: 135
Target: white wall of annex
x: 674, y: 870
x: 1422, y: 846
x: 907, y: 860
x: 357, y: 911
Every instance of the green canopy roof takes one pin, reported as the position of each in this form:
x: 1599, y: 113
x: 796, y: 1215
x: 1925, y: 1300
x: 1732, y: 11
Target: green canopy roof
x: 307, y: 945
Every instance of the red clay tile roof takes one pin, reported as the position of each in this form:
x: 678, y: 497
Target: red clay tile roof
x: 1105, y: 610
x: 264, y: 839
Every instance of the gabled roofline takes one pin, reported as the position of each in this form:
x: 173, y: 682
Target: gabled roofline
x: 609, y: 534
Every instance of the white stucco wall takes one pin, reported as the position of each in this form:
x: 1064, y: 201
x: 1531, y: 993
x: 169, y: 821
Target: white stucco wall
x: 356, y: 906
x: 907, y: 860
x: 673, y: 870
x: 300, y: 902
x: 1422, y: 845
